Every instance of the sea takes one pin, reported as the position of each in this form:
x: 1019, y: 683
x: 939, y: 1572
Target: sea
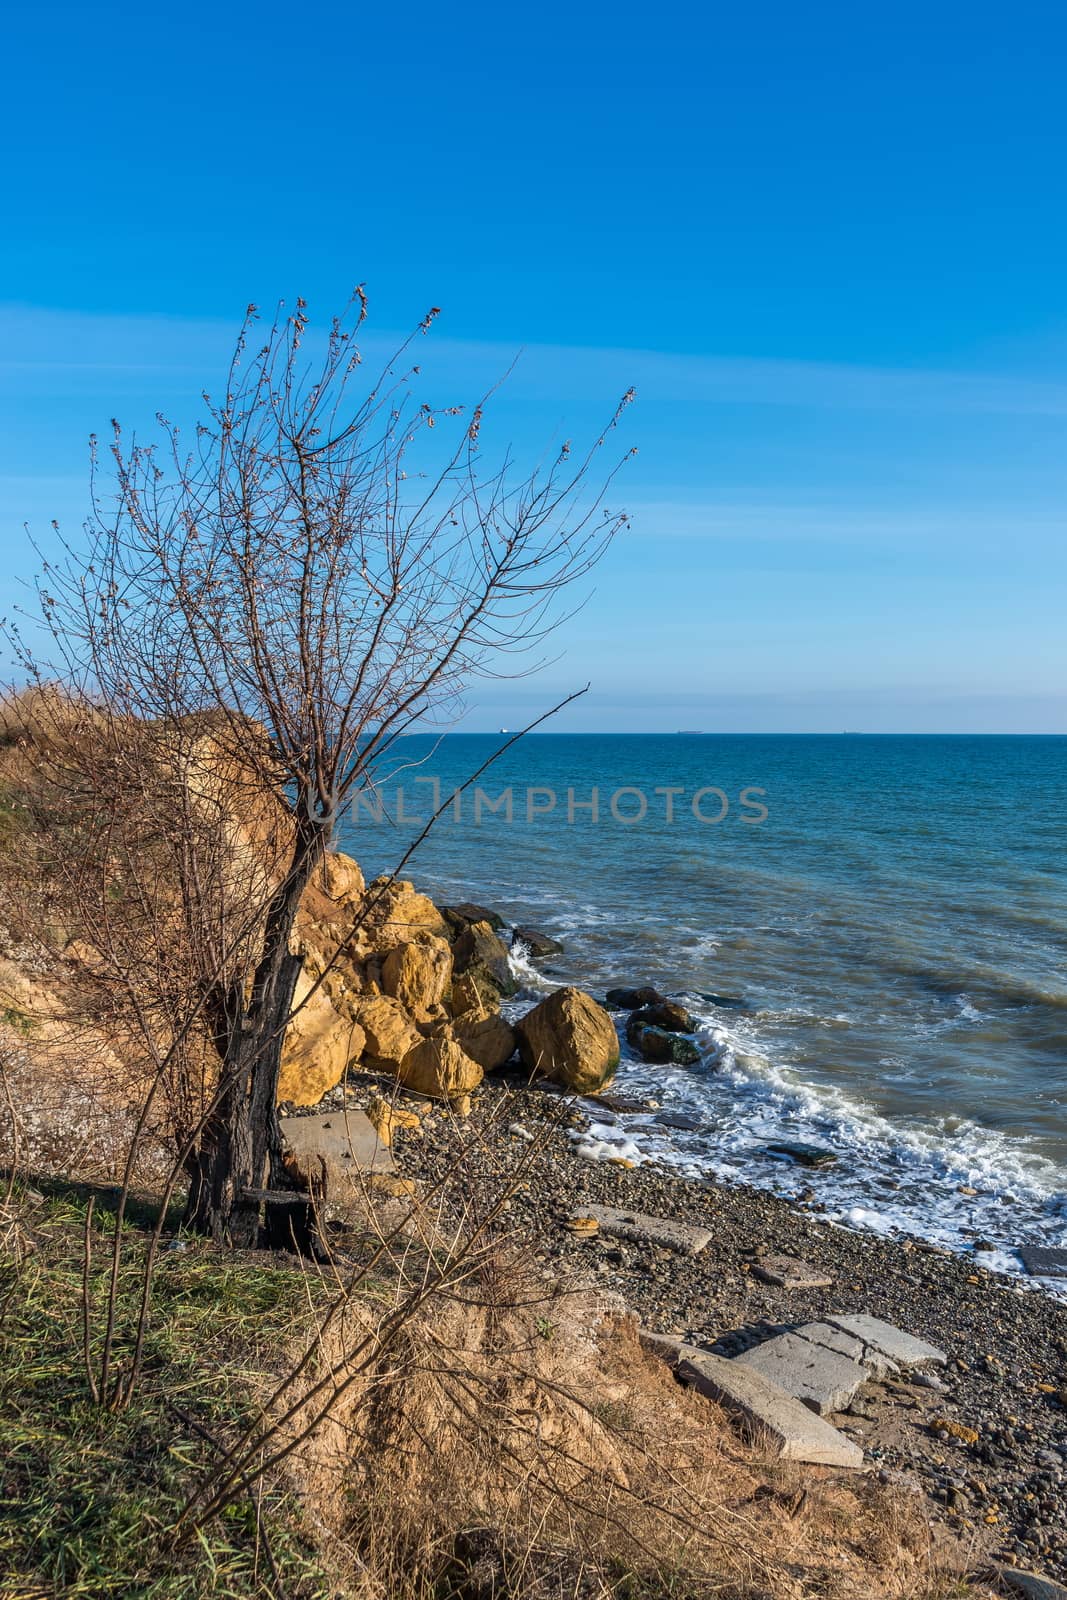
x: 870, y: 930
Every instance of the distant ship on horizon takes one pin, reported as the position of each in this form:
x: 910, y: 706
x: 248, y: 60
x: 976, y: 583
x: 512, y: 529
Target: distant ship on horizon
x: 679, y: 731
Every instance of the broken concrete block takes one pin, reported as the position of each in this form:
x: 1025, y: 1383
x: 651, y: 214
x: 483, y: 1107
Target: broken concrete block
x: 339, y: 1144
x: 670, y: 1234
x: 1041, y: 1262
x: 820, y: 1377
x: 1032, y: 1584
x: 795, y: 1432
x: 788, y: 1272
x: 668, y: 1346
x: 847, y: 1344
x: 885, y: 1340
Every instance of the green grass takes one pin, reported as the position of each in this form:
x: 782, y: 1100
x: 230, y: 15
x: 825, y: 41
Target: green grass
x: 15, y: 820
x: 87, y: 1496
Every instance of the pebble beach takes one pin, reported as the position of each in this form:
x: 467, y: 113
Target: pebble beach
x: 1000, y: 1484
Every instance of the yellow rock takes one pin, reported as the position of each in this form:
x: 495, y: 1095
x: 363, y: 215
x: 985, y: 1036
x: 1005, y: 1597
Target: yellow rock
x: 344, y: 880
x: 570, y: 1039
x: 418, y: 973
x: 954, y: 1430
x: 389, y: 1031
x: 584, y: 1225
x: 485, y: 1037
x: 319, y: 1044
x: 398, y: 913
x: 439, y: 1068
x: 473, y: 991
x: 386, y: 1118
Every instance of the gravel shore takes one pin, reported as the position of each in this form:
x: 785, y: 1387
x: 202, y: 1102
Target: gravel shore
x: 1007, y: 1346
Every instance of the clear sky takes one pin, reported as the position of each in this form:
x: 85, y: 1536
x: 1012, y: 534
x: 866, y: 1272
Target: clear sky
x: 827, y: 242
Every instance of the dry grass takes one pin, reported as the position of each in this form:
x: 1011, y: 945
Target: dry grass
x: 511, y: 1442
x: 517, y: 1442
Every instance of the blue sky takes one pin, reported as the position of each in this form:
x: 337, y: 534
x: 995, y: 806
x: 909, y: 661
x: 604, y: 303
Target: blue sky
x: 827, y: 243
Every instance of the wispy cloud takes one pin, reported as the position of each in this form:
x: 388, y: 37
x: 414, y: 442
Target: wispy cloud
x: 766, y: 519
x: 53, y: 343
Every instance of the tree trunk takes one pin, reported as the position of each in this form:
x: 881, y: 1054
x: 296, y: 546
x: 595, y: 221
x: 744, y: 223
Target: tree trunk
x: 240, y: 1147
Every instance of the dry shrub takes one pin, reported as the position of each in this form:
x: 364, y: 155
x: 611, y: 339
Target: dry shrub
x: 516, y: 1441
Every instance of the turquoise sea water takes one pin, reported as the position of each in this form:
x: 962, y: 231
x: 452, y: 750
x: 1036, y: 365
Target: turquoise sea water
x: 879, y: 964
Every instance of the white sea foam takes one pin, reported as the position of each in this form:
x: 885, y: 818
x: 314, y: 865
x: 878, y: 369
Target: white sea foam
x: 950, y: 1180
x: 525, y: 972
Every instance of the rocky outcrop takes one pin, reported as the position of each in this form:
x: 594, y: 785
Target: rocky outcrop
x: 376, y: 984
x: 570, y: 1039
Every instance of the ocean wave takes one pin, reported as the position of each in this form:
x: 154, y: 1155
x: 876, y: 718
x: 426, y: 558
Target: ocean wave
x: 949, y: 1180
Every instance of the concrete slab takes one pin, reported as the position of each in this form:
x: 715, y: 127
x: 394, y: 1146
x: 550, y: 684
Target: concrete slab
x: 1041, y: 1262
x: 346, y: 1138
x: 795, y: 1432
x: 821, y: 1378
x: 883, y: 1339
x: 668, y: 1346
x: 1032, y: 1584
x: 670, y: 1234
x: 789, y: 1272
x: 846, y: 1344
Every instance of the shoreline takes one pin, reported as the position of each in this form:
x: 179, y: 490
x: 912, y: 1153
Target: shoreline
x: 1006, y: 1376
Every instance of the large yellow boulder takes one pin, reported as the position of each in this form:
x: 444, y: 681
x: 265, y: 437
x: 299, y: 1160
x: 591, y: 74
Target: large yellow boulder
x: 570, y: 1039
x: 418, y: 973
x: 390, y: 1033
x: 318, y: 1047
x: 439, y: 1067
x: 484, y: 1035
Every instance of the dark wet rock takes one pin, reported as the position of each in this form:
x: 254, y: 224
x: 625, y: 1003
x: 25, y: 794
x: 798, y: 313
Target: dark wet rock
x: 665, y: 1014
x: 479, y: 951
x: 627, y: 1104
x: 537, y: 944
x: 657, y: 1045
x: 680, y: 1120
x: 461, y: 916
x: 805, y: 1155
x: 630, y: 999
x: 727, y: 1002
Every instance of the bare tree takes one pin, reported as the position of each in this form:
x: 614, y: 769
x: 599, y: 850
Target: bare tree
x: 316, y: 576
